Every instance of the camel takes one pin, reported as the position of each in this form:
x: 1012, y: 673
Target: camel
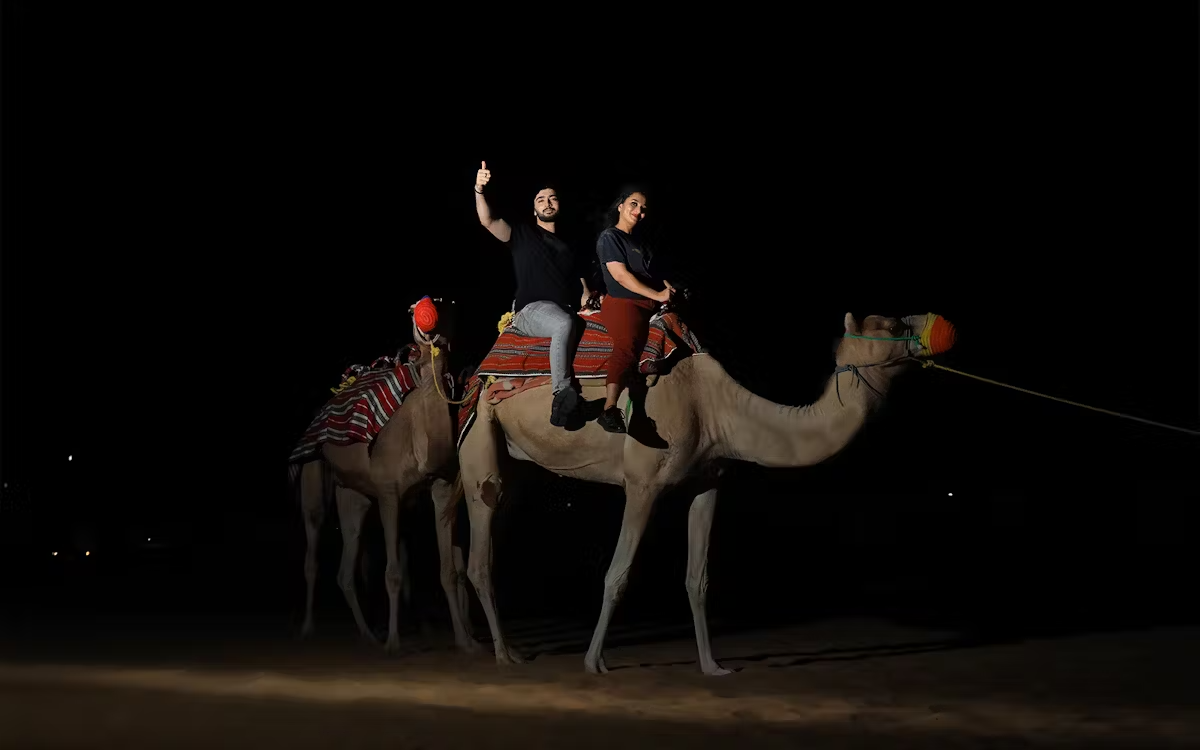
x: 706, y: 419
x: 415, y: 448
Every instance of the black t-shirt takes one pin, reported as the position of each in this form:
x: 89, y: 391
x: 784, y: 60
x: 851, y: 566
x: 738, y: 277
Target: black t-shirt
x: 614, y: 244
x: 546, y: 267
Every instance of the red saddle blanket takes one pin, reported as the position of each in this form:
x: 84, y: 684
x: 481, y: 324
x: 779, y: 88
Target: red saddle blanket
x: 516, y: 357
x: 361, y: 407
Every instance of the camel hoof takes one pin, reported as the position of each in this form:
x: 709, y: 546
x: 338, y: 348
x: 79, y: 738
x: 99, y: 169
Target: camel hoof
x: 307, y: 630
x: 507, y: 656
x: 392, y: 647
x: 595, y: 667
x: 718, y: 671
x: 470, y: 646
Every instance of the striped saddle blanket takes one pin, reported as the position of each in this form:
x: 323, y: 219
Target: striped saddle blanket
x: 362, y: 404
x: 519, y: 359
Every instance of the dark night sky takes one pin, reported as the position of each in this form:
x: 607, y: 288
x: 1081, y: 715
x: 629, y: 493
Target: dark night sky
x: 200, y: 236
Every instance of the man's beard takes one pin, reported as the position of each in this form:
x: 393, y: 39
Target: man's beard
x: 549, y: 219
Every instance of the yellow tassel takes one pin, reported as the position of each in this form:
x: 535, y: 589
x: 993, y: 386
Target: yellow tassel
x: 505, y: 321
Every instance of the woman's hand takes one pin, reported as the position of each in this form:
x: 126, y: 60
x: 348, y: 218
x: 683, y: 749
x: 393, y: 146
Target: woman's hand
x: 590, y: 301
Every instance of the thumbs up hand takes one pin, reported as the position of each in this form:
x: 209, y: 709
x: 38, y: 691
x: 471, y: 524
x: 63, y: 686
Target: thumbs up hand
x: 482, y: 176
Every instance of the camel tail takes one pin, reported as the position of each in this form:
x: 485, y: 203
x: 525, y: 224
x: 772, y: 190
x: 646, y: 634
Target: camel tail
x: 293, y: 475
x: 327, y: 479
x: 455, y: 498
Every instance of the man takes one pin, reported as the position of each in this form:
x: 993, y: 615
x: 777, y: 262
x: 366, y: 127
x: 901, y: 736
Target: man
x: 546, y: 268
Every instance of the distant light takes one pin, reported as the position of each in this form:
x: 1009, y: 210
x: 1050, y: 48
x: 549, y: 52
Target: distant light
x: 568, y: 505
x: 147, y: 539
x: 85, y: 554
x: 951, y: 494
x: 70, y: 458
x: 54, y: 554
x: 6, y: 485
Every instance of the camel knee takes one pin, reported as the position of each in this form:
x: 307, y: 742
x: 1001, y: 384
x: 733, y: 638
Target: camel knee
x: 345, y: 579
x: 310, y: 567
x: 697, y: 588
x: 475, y: 575
x: 479, y: 576
x: 314, y: 517
x: 393, y: 577
x: 450, y: 576
x: 615, y: 584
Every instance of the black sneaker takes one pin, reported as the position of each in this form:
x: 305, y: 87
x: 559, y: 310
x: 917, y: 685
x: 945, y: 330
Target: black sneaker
x: 611, y: 420
x: 565, y: 403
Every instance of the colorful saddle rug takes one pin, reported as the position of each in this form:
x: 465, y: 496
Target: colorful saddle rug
x: 362, y: 404
x: 518, y: 360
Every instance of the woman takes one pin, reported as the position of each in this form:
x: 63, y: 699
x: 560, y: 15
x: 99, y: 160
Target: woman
x: 634, y: 293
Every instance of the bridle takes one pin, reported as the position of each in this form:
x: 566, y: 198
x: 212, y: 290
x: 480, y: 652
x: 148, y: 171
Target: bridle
x: 923, y: 342
x: 434, y: 350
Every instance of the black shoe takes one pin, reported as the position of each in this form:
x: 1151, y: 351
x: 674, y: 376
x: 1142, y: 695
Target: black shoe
x: 566, y: 402
x: 611, y: 420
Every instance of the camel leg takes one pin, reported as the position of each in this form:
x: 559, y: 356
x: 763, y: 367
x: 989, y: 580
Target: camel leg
x: 464, y: 601
x: 639, y: 501
x: 700, y: 519
x: 352, y: 510
x: 405, y: 578
x: 478, y: 459
x: 312, y: 507
x: 443, y: 495
x: 479, y: 567
x: 389, y: 514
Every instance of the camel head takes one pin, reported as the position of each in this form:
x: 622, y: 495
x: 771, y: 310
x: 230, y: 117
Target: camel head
x: 887, y: 341
x: 432, y: 321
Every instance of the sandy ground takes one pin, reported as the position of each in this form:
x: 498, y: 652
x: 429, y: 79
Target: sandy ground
x: 847, y: 684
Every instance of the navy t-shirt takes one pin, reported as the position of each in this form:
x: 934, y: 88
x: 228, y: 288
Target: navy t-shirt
x: 546, y: 267
x: 614, y: 244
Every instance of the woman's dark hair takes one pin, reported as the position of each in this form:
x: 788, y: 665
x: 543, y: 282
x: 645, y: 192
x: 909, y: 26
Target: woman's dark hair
x: 607, y: 217
x: 611, y: 216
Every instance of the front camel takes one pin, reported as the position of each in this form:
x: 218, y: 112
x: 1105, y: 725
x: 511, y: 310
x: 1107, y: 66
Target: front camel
x: 702, y: 417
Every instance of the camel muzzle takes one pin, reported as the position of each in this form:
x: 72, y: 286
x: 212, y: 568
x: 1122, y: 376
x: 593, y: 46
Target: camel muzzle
x: 938, y: 336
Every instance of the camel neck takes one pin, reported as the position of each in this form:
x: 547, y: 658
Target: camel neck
x: 751, y: 428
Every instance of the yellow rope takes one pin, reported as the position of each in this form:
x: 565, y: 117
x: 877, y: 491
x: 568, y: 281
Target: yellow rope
x: 433, y: 352
x: 1062, y: 400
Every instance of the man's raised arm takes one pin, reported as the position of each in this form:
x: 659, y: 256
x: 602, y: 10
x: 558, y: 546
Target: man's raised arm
x: 498, y: 227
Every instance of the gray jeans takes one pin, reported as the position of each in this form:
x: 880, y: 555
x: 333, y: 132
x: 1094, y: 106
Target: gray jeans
x: 542, y: 319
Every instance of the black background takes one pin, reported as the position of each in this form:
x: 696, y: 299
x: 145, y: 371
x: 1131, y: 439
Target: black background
x: 206, y: 219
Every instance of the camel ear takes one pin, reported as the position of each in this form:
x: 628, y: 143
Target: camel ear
x: 851, y: 324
